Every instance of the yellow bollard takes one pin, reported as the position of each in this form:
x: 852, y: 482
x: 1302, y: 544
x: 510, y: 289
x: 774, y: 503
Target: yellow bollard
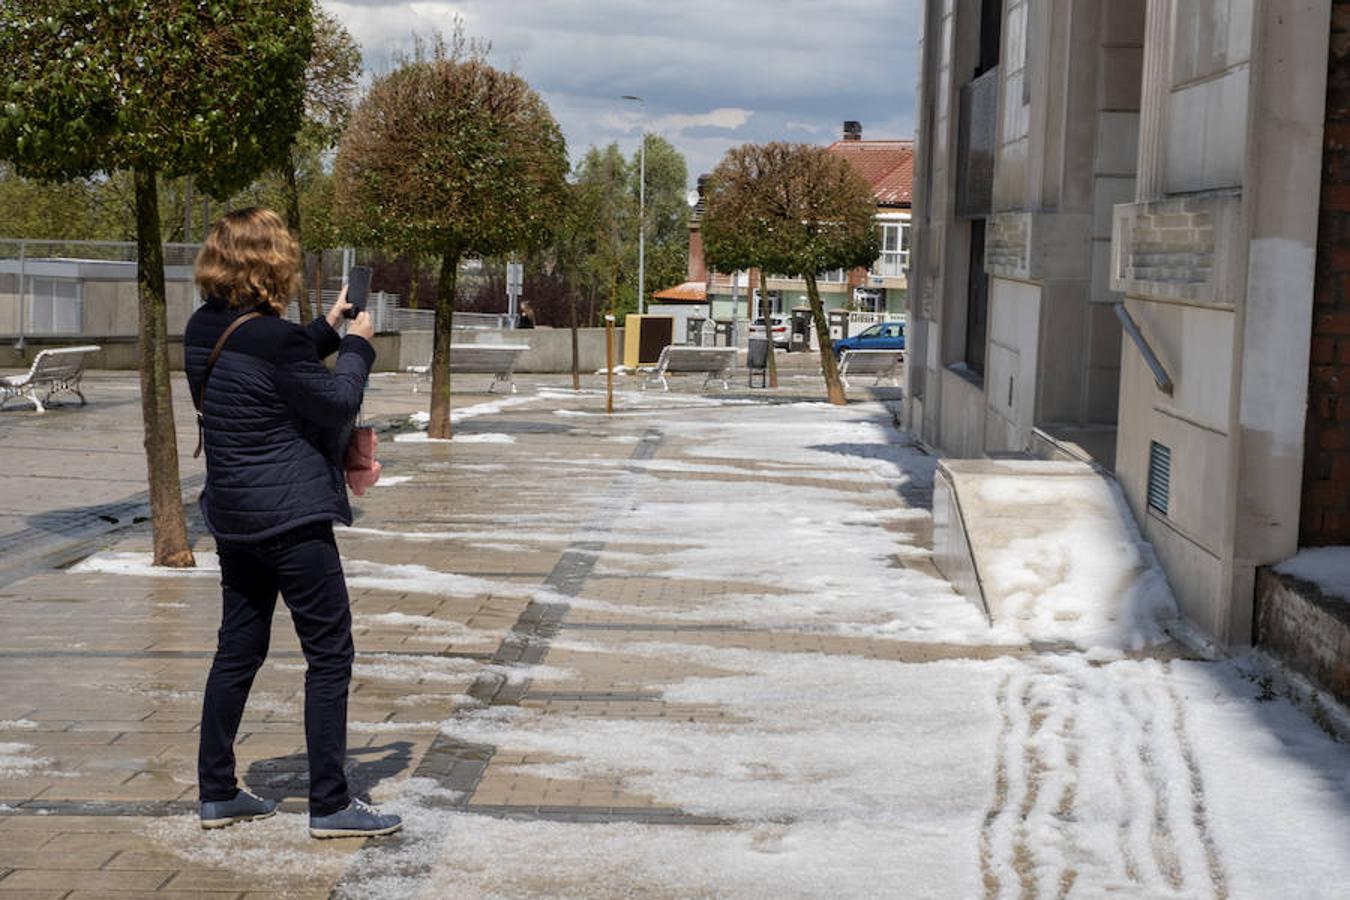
x: 609, y: 364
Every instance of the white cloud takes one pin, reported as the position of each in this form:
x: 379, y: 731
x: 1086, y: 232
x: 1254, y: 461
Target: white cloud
x: 703, y: 66
x: 673, y: 124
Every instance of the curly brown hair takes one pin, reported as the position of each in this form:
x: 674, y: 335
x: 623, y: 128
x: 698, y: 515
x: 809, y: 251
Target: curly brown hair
x: 249, y: 258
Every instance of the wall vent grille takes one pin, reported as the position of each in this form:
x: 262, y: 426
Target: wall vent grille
x: 1159, y: 476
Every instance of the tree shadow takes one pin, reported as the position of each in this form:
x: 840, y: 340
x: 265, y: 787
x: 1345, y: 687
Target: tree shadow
x: 287, y: 777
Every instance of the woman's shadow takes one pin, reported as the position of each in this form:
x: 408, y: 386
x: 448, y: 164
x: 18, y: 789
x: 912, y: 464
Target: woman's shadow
x: 285, y: 778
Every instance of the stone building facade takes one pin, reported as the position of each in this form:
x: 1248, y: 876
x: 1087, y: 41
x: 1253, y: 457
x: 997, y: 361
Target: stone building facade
x: 1116, y: 238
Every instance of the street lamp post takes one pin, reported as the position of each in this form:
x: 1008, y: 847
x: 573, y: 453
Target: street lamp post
x: 642, y: 209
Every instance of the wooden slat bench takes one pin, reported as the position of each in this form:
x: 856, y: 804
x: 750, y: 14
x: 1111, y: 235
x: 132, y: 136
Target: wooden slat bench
x: 881, y: 363
x: 53, y: 371
x: 497, y: 360
x: 714, y: 362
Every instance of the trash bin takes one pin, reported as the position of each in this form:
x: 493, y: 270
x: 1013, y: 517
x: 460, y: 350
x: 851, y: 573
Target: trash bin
x: 757, y: 361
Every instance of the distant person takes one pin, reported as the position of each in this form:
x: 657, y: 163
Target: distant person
x: 274, y: 422
x: 525, y: 319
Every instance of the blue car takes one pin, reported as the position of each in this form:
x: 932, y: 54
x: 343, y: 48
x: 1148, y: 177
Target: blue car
x: 881, y: 336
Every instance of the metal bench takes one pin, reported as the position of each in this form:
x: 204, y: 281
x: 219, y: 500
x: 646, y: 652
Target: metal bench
x: 497, y: 360
x: 881, y: 363
x: 714, y: 362
x: 55, y: 370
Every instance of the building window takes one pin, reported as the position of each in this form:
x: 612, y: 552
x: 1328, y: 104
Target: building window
x: 833, y: 276
x: 977, y: 301
x: 894, y: 259
x: 869, y: 300
x: 991, y: 34
x: 55, y: 306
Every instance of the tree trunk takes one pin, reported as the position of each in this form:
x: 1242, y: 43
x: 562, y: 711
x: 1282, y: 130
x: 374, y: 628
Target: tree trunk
x: 439, y: 427
x: 829, y: 367
x: 768, y: 326
x: 161, y: 442
x: 293, y: 223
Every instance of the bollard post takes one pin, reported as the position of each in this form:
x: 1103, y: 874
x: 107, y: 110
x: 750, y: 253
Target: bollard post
x: 609, y: 364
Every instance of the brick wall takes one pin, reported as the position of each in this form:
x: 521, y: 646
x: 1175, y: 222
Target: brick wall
x: 1326, y: 470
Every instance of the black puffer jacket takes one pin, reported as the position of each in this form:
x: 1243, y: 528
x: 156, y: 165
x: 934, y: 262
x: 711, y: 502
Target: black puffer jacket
x: 276, y: 420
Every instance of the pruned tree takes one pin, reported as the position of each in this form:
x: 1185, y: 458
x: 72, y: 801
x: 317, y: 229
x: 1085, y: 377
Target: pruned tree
x: 735, y: 229
x: 211, y: 90
x: 446, y: 156
x: 796, y: 209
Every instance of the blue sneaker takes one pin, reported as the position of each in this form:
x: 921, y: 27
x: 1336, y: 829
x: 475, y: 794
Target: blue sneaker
x: 356, y: 820
x: 244, y: 807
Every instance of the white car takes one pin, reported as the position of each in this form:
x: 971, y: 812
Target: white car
x: 781, y: 330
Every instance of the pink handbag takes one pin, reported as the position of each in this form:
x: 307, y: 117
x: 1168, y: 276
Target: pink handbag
x: 363, y: 470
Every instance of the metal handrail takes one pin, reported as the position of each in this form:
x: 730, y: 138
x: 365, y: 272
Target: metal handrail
x: 1160, y: 376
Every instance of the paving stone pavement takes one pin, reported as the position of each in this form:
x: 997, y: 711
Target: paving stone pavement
x: 531, y: 570
x: 101, y: 675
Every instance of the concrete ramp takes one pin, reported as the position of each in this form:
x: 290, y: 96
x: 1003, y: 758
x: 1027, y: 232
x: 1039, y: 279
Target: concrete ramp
x: 1050, y: 551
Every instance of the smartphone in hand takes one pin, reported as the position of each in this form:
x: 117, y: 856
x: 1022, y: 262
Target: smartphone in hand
x: 358, y: 290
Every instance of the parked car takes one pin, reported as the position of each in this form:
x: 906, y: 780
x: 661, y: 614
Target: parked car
x: 782, y: 332
x: 881, y: 336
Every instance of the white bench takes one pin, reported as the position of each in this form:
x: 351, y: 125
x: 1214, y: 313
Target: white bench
x: 497, y: 360
x: 714, y: 362
x: 881, y: 363
x: 58, y: 369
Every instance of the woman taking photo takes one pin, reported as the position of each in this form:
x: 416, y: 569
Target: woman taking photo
x: 274, y: 422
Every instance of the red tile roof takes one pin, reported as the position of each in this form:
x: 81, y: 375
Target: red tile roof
x: 689, y: 292
x: 887, y: 165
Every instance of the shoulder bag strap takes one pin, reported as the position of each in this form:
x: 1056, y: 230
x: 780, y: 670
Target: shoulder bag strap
x: 211, y: 364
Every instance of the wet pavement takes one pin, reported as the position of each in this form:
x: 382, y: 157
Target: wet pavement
x: 694, y: 649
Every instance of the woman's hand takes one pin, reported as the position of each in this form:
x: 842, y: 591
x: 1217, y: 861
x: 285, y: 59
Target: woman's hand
x: 340, y: 306
x: 362, y: 326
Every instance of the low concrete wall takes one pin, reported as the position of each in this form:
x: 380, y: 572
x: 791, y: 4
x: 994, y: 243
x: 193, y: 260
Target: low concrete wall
x: 952, y: 554
x: 550, y: 349
x: 117, y: 352
x: 1305, y: 629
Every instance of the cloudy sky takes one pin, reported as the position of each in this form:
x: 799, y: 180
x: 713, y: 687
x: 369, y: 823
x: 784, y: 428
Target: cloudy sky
x: 713, y: 73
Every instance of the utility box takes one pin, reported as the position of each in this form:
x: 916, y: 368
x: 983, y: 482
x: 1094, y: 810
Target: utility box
x: 693, y: 330
x: 644, y: 337
x: 724, y: 332
x: 838, y: 319
x: 801, y: 329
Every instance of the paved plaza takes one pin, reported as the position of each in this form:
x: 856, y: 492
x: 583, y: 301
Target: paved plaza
x: 693, y: 649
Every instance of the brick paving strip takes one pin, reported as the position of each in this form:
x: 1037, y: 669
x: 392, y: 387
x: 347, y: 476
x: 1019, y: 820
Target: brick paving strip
x: 458, y: 767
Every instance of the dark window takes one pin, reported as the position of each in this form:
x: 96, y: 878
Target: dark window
x: 977, y: 300
x: 991, y: 34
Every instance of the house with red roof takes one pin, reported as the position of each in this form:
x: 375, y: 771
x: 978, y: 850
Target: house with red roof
x: 888, y: 165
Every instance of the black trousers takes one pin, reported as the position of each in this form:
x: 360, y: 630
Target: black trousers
x: 304, y: 566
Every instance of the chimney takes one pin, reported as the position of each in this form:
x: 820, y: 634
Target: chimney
x: 698, y: 269
x: 852, y: 131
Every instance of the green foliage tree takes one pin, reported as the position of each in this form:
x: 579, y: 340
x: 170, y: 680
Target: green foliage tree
x: 796, y: 209
x: 667, y: 217
x: 211, y: 90
x: 448, y: 156
x: 605, y: 225
x: 331, y: 80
